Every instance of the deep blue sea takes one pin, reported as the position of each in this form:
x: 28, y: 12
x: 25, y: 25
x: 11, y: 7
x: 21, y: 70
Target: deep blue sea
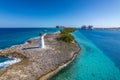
x: 14, y: 36
x: 99, y: 58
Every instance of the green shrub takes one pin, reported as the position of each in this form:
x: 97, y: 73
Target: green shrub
x: 67, y: 30
x: 67, y: 37
x: 63, y: 32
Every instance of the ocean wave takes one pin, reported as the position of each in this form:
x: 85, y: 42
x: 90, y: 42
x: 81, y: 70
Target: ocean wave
x: 21, y: 43
x: 33, y: 38
x: 9, y: 62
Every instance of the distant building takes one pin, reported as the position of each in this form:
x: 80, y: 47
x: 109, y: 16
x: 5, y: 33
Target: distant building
x: 84, y: 27
x: 89, y: 27
x: 60, y: 26
x: 57, y: 26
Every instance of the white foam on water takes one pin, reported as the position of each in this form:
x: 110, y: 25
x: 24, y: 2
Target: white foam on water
x: 34, y: 38
x: 9, y: 62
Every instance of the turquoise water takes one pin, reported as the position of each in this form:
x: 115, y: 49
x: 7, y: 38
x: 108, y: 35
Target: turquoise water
x: 3, y: 59
x: 98, y: 60
x: 90, y: 64
x: 106, y: 40
x: 6, y: 61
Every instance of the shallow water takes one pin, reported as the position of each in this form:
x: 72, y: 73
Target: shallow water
x: 108, y: 41
x: 96, y: 61
x: 90, y: 64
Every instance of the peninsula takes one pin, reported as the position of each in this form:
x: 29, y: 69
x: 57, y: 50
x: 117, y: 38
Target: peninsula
x: 39, y: 63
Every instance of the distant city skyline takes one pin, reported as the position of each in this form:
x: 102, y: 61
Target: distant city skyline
x: 50, y: 13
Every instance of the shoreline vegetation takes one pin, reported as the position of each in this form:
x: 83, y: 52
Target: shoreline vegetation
x: 37, y: 63
x: 65, y: 35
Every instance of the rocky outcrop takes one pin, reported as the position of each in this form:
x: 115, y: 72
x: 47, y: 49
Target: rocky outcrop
x: 37, y: 62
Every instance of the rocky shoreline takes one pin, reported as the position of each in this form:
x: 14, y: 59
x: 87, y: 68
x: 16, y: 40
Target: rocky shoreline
x: 36, y: 63
x: 52, y: 73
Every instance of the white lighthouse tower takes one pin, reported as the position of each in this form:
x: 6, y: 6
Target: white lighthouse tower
x: 41, y: 41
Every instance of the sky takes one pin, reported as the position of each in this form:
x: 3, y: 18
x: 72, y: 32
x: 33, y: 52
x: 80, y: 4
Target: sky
x: 49, y: 13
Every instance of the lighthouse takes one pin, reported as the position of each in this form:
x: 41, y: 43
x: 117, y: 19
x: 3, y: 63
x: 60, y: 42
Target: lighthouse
x: 41, y: 41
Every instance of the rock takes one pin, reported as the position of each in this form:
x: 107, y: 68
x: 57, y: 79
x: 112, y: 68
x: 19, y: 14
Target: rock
x: 36, y: 61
